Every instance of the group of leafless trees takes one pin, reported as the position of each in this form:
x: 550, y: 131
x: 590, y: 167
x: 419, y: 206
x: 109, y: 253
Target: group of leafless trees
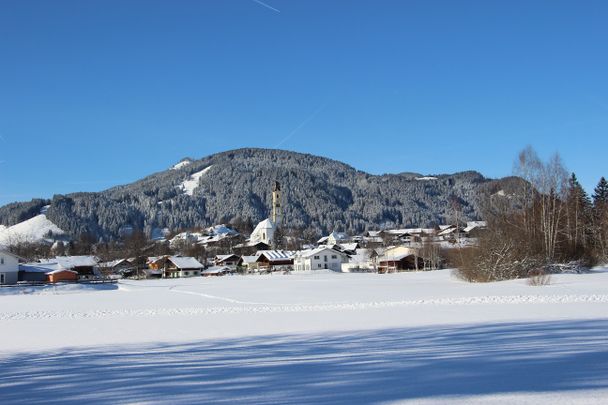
x: 546, y: 220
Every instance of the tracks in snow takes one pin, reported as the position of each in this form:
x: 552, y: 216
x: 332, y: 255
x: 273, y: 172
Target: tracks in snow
x: 244, y: 307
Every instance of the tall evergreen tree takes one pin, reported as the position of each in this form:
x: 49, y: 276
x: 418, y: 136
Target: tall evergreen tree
x: 578, y: 217
x: 600, y: 195
x: 600, y: 219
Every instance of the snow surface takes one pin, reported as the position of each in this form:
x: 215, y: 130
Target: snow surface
x: 34, y: 229
x: 426, y: 178
x: 193, y: 182
x: 181, y: 164
x: 309, y: 338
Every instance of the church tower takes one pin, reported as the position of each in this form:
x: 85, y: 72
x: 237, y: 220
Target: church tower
x: 276, y: 204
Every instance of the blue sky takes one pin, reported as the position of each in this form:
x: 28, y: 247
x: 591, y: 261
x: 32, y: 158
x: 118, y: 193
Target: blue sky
x: 99, y: 93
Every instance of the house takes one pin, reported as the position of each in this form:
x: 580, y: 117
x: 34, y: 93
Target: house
x: 216, y: 271
x: 87, y: 267
x: 348, y: 248
x: 124, y: 267
x: 270, y: 260
x: 249, y: 263
x: 399, y: 259
x: 475, y: 228
x: 320, y: 258
x: 9, y: 268
x: 176, y: 266
x: 334, y: 238
x: 226, y: 260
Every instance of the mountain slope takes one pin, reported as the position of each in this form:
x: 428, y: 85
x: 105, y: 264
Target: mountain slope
x: 318, y: 192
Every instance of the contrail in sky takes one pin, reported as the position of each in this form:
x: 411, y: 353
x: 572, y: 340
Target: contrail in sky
x: 266, y: 5
x: 302, y: 124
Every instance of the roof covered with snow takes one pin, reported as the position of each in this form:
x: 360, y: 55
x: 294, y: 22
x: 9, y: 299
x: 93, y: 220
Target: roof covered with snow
x: 69, y: 262
x: 317, y: 251
x: 276, y: 255
x: 185, y: 262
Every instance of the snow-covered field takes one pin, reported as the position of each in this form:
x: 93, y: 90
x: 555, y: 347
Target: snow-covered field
x: 308, y: 339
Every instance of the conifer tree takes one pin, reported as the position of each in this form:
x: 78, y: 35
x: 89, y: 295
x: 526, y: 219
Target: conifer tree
x: 600, y: 219
x: 600, y: 195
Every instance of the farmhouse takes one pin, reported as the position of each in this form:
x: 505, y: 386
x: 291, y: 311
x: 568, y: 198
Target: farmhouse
x: 9, y: 268
x: 248, y: 263
x: 176, y: 266
x: 399, y: 259
x: 333, y: 238
x: 270, y: 260
x: 320, y: 258
x: 226, y: 260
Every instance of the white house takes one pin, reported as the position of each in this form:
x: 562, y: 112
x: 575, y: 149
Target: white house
x: 263, y: 232
x: 9, y: 268
x: 320, y: 258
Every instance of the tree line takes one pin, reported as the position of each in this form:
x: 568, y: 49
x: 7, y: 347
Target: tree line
x: 546, y: 221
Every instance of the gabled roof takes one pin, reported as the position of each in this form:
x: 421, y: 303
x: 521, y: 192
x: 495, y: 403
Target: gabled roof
x: 475, y: 224
x: 276, y: 255
x: 217, y: 270
x: 395, y: 258
x: 349, y: 246
x: 69, y: 262
x: 249, y: 259
x: 185, y: 262
x: 222, y: 258
x: 314, y: 252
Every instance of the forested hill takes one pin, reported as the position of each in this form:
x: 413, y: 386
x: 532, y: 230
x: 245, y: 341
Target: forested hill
x: 317, y: 192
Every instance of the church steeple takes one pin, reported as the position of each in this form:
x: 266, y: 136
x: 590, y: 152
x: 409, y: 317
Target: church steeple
x: 276, y: 204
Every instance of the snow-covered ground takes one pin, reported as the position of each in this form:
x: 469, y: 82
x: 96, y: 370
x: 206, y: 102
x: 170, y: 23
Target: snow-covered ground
x: 309, y: 339
x: 188, y: 186
x: 35, y: 229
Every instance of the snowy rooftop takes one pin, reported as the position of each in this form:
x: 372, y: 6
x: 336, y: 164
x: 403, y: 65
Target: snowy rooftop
x: 314, y: 252
x: 185, y: 262
x: 69, y: 262
x: 276, y: 254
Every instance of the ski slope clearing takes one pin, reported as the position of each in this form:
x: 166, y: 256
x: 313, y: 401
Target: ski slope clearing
x: 193, y: 181
x: 309, y: 338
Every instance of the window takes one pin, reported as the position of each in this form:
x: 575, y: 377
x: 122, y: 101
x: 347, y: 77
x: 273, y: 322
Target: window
x: 186, y: 273
x: 334, y: 256
x: 319, y: 265
x: 2, y: 260
x: 2, y: 280
x: 317, y: 257
x: 325, y: 257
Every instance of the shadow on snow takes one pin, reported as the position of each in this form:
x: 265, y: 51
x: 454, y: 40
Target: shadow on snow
x: 357, y: 367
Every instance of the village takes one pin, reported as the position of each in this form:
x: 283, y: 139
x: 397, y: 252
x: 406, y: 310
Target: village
x: 383, y: 251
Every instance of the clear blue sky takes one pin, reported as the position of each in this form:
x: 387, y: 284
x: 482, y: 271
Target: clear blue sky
x: 99, y: 93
